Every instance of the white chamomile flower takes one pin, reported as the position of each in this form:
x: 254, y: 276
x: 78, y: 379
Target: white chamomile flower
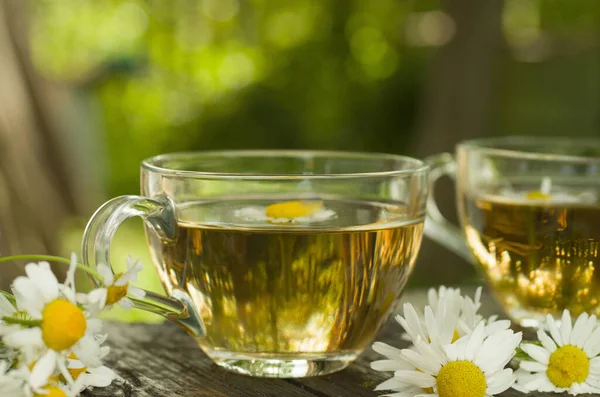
x: 116, y: 287
x: 86, y: 377
x: 393, y: 362
x: 568, y: 359
x: 63, y: 325
x: 461, y: 311
x: 470, y: 317
x: 473, y: 366
x: 438, y: 329
x: 12, y: 383
x: 287, y: 212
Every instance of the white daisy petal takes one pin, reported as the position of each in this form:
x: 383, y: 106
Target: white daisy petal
x: 587, y: 330
x: 418, y: 379
x: 547, y: 342
x: 94, y: 326
x: 432, y: 297
x: 392, y: 384
x: 136, y: 292
x: 421, y: 362
x: 88, y: 351
x: 42, y: 370
x: 533, y: 366
x: 538, y: 353
x: 474, y: 342
x: 126, y: 303
x: 578, y: 328
x: 497, y: 350
x: 99, y: 377
x: 413, y: 320
x: 592, y: 345
x: 23, y: 338
x: 496, y: 326
x: 593, y: 381
x: 106, y: 273
x: 96, y: 299
x: 540, y: 383
x: 566, y: 327
x: 434, y: 353
x: 452, y: 351
x: 62, y: 367
x: 500, y: 381
x: 390, y: 365
x: 554, y: 331
x: 387, y: 350
x: 430, y: 325
x: 29, y: 299
x: 595, y: 366
x: 45, y: 281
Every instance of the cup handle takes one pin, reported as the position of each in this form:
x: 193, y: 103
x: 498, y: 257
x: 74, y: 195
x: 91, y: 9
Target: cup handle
x: 159, y: 213
x: 437, y: 227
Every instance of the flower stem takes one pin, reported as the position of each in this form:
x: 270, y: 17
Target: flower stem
x: 58, y: 259
x: 22, y: 321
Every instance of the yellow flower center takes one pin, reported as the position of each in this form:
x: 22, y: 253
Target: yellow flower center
x: 63, y: 324
x: 455, y: 337
x: 76, y: 372
x: 293, y: 209
x: 52, y: 392
x: 537, y: 195
x: 461, y: 378
x: 115, y: 293
x: 568, y: 364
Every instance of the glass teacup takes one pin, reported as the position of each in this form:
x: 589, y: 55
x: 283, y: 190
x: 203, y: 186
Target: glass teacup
x: 530, y: 215
x: 279, y: 263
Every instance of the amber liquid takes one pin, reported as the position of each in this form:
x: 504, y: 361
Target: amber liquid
x: 540, y: 257
x: 287, y: 289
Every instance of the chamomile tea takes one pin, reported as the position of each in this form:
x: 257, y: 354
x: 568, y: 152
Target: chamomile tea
x: 290, y: 276
x: 539, y: 247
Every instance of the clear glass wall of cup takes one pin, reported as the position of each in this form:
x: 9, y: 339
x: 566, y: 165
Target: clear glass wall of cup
x: 278, y: 263
x: 530, y: 215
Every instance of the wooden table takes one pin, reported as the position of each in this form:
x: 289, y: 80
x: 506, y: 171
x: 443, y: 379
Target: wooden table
x: 163, y: 361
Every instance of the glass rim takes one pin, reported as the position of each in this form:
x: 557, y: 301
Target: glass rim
x: 412, y: 165
x: 493, y: 146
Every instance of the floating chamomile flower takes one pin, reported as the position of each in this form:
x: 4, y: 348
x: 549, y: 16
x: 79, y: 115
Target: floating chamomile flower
x: 287, y: 212
x: 550, y: 193
x: 116, y: 287
x: 473, y: 366
x: 568, y: 359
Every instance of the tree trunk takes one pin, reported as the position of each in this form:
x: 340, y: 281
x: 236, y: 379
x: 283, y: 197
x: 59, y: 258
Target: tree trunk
x: 34, y: 191
x: 455, y: 106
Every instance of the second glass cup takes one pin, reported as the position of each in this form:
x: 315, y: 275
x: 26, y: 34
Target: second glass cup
x: 530, y: 215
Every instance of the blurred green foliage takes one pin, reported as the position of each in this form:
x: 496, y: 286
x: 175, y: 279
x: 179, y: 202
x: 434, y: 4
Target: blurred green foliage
x: 336, y: 74
x: 180, y: 75
x: 195, y: 75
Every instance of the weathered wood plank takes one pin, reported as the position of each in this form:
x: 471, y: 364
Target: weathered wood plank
x: 163, y: 361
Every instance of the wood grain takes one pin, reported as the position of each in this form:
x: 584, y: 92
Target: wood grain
x: 163, y: 361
